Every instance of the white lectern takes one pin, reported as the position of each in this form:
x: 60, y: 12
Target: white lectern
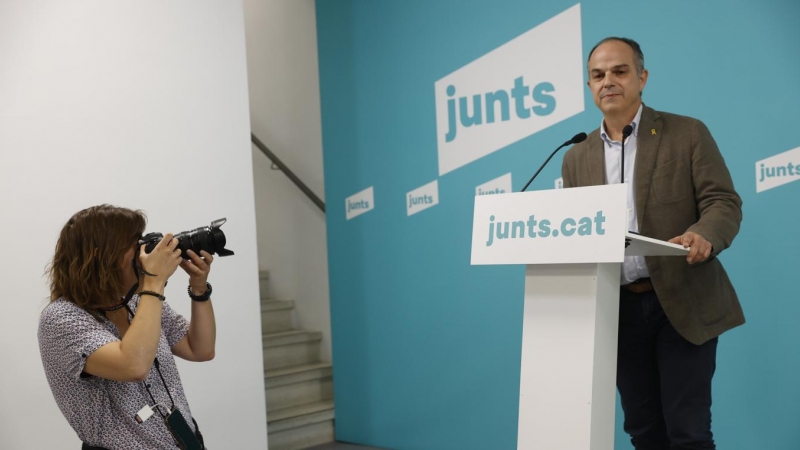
x: 572, y: 242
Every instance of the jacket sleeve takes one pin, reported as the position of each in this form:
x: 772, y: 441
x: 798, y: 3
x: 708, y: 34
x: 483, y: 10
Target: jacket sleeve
x: 718, y: 204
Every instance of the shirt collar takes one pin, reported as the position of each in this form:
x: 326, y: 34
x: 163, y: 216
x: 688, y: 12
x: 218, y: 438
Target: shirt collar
x: 634, y: 124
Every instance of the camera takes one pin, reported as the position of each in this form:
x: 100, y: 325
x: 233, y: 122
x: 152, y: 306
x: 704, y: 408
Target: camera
x: 210, y: 239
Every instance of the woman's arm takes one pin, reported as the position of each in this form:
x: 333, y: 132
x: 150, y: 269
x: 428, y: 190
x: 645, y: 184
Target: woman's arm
x: 199, y: 343
x: 131, y: 358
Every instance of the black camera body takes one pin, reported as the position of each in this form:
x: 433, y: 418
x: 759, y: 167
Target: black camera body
x: 210, y: 239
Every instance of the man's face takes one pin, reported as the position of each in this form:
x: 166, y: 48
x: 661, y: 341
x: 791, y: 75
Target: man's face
x: 615, y: 85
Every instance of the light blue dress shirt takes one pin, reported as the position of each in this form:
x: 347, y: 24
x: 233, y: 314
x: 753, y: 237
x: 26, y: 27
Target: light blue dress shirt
x: 633, y: 267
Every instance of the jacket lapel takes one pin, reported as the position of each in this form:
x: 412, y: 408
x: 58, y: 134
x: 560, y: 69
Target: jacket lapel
x: 648, y: 138
x: 596, y: 160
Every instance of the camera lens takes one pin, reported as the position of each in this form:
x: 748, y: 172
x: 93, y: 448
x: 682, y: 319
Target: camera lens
x: 210, y: 239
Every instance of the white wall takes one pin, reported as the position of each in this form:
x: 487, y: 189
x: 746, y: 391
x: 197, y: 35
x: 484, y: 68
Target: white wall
x: 141, y: 104
x: 285, y: 115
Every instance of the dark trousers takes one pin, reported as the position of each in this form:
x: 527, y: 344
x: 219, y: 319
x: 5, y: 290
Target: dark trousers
x: 664, y: 381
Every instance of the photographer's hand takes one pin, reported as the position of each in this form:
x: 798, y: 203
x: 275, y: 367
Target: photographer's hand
x: 198, y: 269
x: 162, y: 262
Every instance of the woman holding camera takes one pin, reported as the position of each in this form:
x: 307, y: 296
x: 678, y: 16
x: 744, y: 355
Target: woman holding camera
x: 107, y: 337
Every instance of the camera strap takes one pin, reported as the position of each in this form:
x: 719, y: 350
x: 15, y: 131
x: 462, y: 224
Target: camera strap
x: 184, y: 440
x: 124, y: 302
x: 137, y: 269
x: 131, y: 291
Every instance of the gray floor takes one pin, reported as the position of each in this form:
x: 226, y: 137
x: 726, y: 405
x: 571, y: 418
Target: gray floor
x: 343, y: 446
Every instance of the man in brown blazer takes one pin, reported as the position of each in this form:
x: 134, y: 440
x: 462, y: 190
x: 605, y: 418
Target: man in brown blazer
x: 672, y: 309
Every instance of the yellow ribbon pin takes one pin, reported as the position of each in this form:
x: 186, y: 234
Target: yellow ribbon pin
x: 653, y: 132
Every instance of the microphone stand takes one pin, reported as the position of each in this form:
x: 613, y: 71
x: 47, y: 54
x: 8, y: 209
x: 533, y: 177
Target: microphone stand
x: 580, y: 137
x: 625, y: 133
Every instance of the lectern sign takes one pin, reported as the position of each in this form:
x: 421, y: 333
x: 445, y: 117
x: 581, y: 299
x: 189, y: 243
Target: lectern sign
x: 578, y: 225
x: 572, y: 242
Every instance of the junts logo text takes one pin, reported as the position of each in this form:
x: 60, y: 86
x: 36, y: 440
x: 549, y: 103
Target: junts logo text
x: 522, y: 87
x: 778, y: 170
x: 543, y: 228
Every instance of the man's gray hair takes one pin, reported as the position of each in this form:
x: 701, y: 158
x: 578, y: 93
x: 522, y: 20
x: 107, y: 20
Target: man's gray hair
x: 638, y: 56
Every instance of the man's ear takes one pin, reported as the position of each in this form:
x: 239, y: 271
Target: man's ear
x: 642, y: 81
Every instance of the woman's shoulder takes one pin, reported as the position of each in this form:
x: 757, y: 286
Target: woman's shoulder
x: 62, y: 311
x: 61, y: 306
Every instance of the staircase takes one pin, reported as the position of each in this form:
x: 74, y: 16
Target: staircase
x: 298, y: 386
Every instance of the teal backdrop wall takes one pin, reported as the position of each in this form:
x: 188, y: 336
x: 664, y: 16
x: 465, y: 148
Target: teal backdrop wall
x: 427, y: 347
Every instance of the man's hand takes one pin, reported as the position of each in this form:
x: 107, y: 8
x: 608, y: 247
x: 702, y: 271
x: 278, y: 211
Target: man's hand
x: 700, y: 248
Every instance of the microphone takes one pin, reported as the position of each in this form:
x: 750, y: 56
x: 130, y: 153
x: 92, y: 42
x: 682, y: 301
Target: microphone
x: 580, y: 137
x: 625, y: 133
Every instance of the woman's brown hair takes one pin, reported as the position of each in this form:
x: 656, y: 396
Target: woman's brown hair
x: 86, y: 268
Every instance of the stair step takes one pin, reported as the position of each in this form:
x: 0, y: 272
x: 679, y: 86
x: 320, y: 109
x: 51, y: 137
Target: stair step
x: 290, y: 348
x: 289, y: 337
x: 276, y: 315
x: 282, y: 419
x: 276, y: 305
x: 301, y: 427
x: 296, y: 374
x: 299, y: 394
x: 300, y: 438
x: 309, y: 386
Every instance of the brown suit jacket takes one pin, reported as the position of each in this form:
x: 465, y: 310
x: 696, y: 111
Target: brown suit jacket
x: 681, y: 184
